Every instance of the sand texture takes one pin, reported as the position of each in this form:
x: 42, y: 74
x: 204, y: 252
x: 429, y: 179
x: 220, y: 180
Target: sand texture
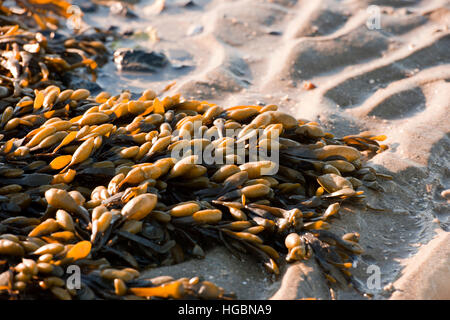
x: 393, y: 81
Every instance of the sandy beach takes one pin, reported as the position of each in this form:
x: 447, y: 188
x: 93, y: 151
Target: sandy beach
x: 355, y: 65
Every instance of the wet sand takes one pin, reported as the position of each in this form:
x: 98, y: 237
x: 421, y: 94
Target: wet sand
x: 392, y: 81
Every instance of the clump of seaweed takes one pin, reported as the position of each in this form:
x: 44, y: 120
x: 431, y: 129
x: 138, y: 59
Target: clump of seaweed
x: 92, y: 181
x: 35, y: 59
